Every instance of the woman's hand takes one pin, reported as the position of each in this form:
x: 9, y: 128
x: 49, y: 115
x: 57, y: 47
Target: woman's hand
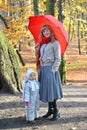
x: 37, y: 46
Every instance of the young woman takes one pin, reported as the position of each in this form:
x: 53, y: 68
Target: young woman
x: 49, y: 58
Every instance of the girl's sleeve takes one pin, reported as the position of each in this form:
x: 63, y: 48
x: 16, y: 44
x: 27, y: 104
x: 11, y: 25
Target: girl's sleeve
x: 57, y: 56
x: 26, y: 93
x: 23, y: 92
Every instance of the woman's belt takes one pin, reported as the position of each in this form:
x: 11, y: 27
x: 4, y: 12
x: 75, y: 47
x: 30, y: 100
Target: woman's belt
x: 46, y: 63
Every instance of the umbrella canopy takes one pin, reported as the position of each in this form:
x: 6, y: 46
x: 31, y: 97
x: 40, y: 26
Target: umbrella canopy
x: 36, y: 23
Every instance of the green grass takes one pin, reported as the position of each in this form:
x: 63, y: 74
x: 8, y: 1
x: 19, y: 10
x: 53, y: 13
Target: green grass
x: 74, y: 66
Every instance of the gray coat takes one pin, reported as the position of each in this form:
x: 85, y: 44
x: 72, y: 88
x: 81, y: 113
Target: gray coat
x: 51, y: 55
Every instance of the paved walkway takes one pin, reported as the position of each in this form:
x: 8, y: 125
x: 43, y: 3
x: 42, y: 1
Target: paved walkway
x: 73, y: 109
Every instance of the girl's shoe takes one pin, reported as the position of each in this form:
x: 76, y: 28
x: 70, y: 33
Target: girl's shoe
x: 31, y: 122
x: 39, y: 118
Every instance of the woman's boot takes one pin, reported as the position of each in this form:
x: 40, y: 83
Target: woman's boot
x: 56, y: 113
x: 50, y: 110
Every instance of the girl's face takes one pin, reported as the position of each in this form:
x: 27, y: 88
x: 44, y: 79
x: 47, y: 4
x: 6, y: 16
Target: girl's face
x: 46, y: 32
x: 32, y: 76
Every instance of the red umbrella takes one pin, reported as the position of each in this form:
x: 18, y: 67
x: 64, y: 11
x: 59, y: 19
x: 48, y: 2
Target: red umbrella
x: 36, y: 22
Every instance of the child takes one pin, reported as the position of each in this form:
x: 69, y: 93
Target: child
x: 31, y: 96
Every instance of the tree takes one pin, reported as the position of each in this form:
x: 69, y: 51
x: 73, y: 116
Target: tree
x: 10, y: 71
x: 16, y: 13
x: 62, y: 67
x: 50, y: 6
x: 76, y: 20
x: 4, y: 21
x: 35, y: 3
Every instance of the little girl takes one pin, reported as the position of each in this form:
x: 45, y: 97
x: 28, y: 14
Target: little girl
x: 31, y: 96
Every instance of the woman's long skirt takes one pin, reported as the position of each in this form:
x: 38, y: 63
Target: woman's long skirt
x: 50, y: 84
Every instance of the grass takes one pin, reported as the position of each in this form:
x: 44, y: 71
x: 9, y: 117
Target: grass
x: 73, y: 66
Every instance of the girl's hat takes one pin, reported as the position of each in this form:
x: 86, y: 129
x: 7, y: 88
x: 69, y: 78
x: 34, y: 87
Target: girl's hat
x: 29, y: 71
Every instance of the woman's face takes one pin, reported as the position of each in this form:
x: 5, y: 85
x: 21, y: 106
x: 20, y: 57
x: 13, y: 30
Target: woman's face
x: 46, y: 32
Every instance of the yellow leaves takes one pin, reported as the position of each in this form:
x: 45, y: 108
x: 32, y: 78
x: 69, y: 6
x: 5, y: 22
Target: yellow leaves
x: 42, y: 5
x: 17, y: 19
x: 2, y: 3
x: 81, y: 9
x: 16, y: 30
x: 80, y: 1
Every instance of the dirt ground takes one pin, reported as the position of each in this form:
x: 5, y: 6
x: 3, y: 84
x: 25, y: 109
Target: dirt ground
x: 73, y: 110
x: 73, y: 107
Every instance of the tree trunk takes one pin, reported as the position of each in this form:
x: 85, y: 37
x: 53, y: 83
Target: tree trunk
x: 79, y: 38
x: 36, y: 11
x: 62, y: 68
x: 50, y: 7
x: 4, y: 21
x: 10, y: 71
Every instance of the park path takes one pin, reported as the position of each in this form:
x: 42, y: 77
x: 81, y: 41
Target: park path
x: 73, y: 110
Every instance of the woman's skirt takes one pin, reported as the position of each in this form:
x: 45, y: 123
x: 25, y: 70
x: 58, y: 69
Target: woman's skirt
x: 50, y: 84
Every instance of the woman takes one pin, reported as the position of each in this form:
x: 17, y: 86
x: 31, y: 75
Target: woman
x: 49, y: 58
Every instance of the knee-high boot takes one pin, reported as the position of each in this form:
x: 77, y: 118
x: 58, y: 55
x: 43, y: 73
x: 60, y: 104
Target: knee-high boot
x: 50, y: 110
x: 56, y: 113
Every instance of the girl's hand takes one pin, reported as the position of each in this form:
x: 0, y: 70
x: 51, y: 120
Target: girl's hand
x: 27, y: 103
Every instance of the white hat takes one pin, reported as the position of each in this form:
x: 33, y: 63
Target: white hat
x: 29, y: 71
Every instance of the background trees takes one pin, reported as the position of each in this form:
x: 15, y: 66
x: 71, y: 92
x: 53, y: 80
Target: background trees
x: 14, y: 20
x: 17, y: 13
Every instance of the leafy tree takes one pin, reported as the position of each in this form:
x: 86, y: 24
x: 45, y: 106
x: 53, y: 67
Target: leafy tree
x: 16, y: 13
